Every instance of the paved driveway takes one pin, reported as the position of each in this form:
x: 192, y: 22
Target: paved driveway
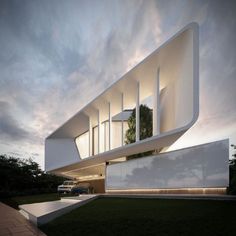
x: 13, y: 223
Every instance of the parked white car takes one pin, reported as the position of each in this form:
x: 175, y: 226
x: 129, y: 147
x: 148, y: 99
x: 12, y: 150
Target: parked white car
x: 67, y: 186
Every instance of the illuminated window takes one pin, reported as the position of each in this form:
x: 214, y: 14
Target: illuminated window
x: 82, y: 143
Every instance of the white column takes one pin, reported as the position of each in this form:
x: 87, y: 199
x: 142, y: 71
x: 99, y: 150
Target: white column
x: 110, y: 125
x: 90, y: 137
x: 156, y: 105
x: 122, y: 119
x: 99, y: 128
x: 137, y: 113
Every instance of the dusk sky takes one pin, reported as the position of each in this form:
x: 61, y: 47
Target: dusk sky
x: 56, y: 56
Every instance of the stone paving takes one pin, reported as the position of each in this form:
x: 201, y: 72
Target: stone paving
x: 13, y: 223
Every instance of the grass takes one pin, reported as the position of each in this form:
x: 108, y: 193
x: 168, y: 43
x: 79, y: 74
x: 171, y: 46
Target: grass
x: 16, y: 201
x: 121, y: 216
x: 118, y: 216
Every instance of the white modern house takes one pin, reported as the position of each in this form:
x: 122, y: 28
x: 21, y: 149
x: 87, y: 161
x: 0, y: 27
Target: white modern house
x: 91, y: 147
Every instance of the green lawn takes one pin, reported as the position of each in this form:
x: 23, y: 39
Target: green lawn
x: 16, y: 201
x: 118, y: 216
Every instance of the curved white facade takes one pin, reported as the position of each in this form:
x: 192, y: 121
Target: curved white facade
x: 168, y: 79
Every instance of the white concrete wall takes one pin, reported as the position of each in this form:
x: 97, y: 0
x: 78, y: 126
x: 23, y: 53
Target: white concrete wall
x: 60, y: 152
x: 176, y: 73
x: 200, y: 166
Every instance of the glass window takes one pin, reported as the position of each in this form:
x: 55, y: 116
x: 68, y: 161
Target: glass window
x: 95, y: 140
x: 82, y: 143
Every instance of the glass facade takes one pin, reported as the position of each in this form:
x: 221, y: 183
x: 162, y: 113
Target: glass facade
x: 82, y: 141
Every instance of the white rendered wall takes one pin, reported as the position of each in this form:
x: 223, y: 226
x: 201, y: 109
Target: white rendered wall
x: 176, y: 71
x: 60, y: 152
x: 200, y: 166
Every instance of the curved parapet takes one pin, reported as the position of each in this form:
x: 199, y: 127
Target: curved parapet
x: 167, y: 80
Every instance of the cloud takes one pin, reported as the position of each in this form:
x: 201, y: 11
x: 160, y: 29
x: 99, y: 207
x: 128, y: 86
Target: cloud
x: 10, y: 129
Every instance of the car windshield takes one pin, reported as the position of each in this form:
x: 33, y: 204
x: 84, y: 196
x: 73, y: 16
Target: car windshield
x: 83, y: 185
x: 68, y: 183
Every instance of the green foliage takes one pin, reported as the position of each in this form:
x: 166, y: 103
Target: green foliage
x: 145, y: 128
x: 21, y: 177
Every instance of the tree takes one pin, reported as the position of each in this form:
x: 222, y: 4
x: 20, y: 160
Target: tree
x: 145, y: 128
x: 232, y: 172
x: 24, y: 176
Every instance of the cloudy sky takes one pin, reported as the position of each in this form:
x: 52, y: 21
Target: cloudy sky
x: 56, y: 56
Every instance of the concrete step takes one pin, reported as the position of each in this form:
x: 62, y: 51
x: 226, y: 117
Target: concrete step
x: 41, y: 213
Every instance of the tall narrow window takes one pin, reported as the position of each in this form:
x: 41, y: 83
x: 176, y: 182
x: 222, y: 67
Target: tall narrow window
x: 95, y: 140
x: 82, y: 143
